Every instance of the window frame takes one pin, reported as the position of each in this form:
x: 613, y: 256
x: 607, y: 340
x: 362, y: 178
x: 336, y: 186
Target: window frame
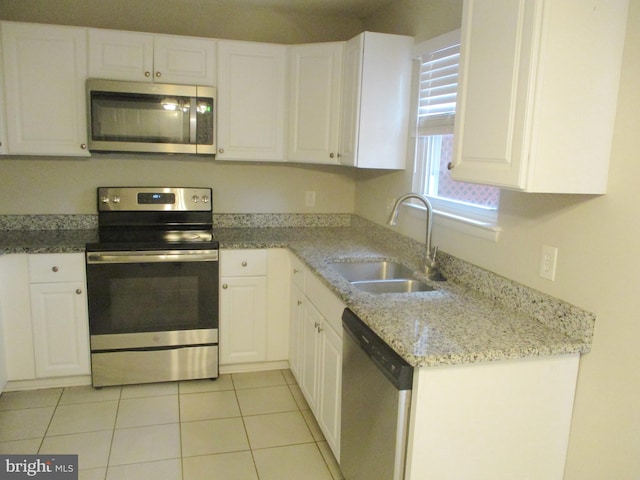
x: 472, y: 219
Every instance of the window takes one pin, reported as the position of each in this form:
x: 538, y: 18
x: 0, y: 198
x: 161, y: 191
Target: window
x: 476, y: 205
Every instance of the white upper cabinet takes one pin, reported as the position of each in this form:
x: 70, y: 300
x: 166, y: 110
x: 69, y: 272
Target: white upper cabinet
x: 45, y: 67
x: 375, y: 101
x: 119, y: 55
x: 315, y: 72
x: 538, y: 93
x: 251, y: 101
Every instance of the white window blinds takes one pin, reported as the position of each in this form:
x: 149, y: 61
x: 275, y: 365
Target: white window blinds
x: 438, y: 89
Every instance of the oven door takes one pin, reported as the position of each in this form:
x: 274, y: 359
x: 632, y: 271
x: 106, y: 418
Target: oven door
x: 153, y: 316
x: 137, y: 297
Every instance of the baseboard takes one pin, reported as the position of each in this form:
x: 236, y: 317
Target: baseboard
x: 54, y: 382
x: 254, y: 367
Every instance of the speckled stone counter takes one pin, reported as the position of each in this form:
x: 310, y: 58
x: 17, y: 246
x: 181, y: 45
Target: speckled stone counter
x: 456, y: 323
x: 475, y: 316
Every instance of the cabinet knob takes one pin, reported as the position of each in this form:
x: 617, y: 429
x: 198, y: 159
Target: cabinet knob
x: 299, y: 302
x: 225, y: 286
x: 158, y: 74
x: 244, y: 264
x: 331, y: 155
x: 295, y: 270
x: 83, y: 146
x: 147, y: 74
x: 54, y: 269
x: 221, y: 150
x: 339, y: 155
x: 78, y: 291
x: 449, y: 166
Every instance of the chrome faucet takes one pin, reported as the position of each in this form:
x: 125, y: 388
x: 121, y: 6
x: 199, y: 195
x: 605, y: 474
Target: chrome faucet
x: 429, y: 264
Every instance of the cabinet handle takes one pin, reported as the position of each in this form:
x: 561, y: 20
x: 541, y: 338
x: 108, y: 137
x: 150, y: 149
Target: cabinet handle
x: 225, y: 286
x: 147, y: 74
x: 78, y: 291
x: 158, y: 74
x: 54, y: 269
x: 83, y: 146
x: 221, y: 150
x: 449, y: 166
x: 244, y: 264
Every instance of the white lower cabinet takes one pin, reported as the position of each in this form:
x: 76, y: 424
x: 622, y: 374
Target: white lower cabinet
x: 505, y: 419
x: 253, y: 307
x: 44, y: 308
x: 60, y: 329
x: 316, y: 349
x: 59, y: 314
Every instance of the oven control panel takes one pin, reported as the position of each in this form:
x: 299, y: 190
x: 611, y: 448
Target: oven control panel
x: 144, y: 199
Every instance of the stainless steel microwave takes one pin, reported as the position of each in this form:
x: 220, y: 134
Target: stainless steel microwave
x: 150, y: 117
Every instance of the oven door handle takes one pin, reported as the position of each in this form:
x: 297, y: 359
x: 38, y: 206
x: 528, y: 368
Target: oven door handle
x: 158, y: 256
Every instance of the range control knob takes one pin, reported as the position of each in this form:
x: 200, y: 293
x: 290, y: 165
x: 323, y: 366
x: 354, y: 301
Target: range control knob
x: 195, y: 199
x: 115, y: 199
x: 205, y: 199
x: 104, y: 199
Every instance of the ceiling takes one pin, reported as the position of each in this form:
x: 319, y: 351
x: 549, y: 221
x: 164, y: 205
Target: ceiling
x: 338, y: 8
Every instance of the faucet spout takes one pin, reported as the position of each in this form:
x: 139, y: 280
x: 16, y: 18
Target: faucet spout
x: 430, y: 265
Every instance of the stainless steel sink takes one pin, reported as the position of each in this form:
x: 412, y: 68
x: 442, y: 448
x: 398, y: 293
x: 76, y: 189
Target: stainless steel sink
x: 382, y: 270
x: 400, y: 285
x: 380, y: 277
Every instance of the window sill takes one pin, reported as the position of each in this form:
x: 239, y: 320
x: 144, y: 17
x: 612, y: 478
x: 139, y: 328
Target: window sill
x: 480, y: 229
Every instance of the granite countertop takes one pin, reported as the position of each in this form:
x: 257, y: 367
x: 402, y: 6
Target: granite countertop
x: 475, y: 316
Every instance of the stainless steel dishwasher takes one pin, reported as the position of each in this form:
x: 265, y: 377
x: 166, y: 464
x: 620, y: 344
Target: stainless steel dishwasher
x: 376, y: 398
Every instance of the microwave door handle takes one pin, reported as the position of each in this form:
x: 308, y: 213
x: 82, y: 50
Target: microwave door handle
x: 193, y: 121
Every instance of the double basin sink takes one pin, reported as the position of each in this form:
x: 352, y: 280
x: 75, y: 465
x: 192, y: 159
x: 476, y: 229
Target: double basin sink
x: 380, y: 277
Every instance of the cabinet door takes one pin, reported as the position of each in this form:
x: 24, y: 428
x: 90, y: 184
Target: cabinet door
x: 350, y: 118
x: 60, y: 329
x: 494, y: 74
x: 15, y: 309
x: 243, y: 324
x: 183, y: 60
x: 251, y: 101
x: 45, y: 69
x: 330, y: 387
x: 118, y: 55
x: 312, y: 320
x: 376, y: 96
x: 314, y: 102
x: 296, y: 315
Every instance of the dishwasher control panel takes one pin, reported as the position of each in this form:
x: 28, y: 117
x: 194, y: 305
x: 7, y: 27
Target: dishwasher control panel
x: 394, y: 367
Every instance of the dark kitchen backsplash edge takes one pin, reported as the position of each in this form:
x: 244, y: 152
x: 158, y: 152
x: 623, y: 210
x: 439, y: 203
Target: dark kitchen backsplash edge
x: 550, y: 311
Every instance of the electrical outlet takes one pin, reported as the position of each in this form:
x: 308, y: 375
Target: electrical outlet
x: 310, y: 198
x: 548, y: 262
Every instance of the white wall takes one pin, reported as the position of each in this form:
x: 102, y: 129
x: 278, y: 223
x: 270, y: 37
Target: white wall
x: 200, y: 18
x: 53, y: 185
x: 598, y: 238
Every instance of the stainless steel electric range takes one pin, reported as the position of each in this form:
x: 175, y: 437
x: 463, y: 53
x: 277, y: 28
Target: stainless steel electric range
x: 152, y: 283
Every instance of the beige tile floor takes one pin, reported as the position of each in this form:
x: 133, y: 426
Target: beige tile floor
x: 248, y: 426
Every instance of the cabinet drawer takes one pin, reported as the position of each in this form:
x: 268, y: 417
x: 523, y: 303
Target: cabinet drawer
x: 297, y: 272
x: 327, y: 303
x: 243, y: 263
x: 56, y: 267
